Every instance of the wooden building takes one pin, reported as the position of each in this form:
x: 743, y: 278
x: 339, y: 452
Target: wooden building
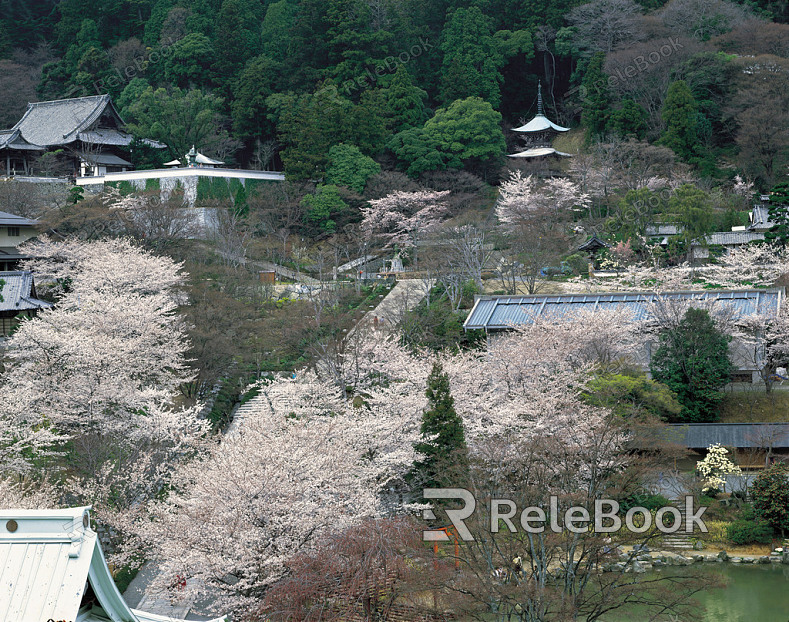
x: 19, y: 300
x: 13, y: 231
x: 89, y: 130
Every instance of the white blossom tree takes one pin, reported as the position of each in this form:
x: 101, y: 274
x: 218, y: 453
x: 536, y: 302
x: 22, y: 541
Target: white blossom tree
x: 309, y: 455
x: 520, y: 196
x: 100, y: 370
x: 715, y: 466
x: 403, y: 218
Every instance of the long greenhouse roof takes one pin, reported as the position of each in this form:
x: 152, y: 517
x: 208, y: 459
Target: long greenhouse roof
x: 503, y: 312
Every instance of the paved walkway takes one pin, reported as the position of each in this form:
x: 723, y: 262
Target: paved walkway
x: 405, y: 295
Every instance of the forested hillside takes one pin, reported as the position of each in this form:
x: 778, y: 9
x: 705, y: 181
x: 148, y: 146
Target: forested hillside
x: 417, y: 85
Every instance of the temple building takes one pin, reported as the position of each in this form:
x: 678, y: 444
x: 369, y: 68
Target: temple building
x: 538, y: 134
x: 89, y: 130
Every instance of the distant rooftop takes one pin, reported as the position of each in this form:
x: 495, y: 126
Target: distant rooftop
x: 731, y: 238
x: 19, y: 292
x: 13, y: 220
x: 503, y: 312
x: 740, y: 435
x: 60, y: 122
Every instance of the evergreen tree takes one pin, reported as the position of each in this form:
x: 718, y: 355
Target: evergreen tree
x: 406, y: 101
x: 596, y: 104
x: 629, y: 121
x: 680, y: 113
x: 443, y: 438
x: 308, y: 125
x: 249, y: 109
x: 779, y: 214
x: 465, y: 135
x: 240, y: 204
x: 472, y: 58
x: 5, y: 41
x: 189, y: 62
x: 692, y: 359
x: 323, y: 207
x: 349, y: 167
x: 236, y: 36
x: 275, y: 34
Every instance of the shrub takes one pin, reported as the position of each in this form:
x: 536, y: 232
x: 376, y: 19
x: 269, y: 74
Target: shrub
x: 578, y: 264
x: 717, y: 531
x: 750, y: 532
x: 349, y: 167
x: 770, y: 494
x: 644, y: 500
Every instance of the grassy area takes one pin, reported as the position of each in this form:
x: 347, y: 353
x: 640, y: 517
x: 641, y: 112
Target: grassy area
x: 755, y: 407
x: 571, y: 142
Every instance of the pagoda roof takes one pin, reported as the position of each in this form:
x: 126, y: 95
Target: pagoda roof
x: 539, y: 152
x: 540, y: 123
x: 13, y: 139
x: 593, y: 244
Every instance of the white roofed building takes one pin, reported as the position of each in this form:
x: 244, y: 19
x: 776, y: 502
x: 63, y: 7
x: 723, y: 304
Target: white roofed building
x: 52, y: 568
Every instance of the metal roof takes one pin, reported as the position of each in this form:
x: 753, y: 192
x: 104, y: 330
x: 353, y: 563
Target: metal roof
x: 61, y: 121
x: 19, y: 292
x: 742, y: 435
x: 16, y: 221
x: 503, y: 312
x: 47, y: 558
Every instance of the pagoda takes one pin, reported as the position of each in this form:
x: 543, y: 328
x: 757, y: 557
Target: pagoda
x: 538, y: 133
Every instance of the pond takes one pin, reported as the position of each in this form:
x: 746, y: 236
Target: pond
x: 754, y: 593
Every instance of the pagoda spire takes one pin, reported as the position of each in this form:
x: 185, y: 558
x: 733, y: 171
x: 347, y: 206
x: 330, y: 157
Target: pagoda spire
x: 539, y: 97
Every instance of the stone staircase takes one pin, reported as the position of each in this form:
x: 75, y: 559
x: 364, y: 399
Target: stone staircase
x: 679, y: 539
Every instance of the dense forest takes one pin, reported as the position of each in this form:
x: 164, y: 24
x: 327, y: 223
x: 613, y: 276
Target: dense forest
x: 418, y: 86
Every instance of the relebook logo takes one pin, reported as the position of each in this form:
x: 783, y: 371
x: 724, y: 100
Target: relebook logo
x: 576, y: 519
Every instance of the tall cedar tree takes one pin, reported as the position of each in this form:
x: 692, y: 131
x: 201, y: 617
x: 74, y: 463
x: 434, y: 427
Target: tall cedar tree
x: 596, y: 96
x: 693, y: 361
x: 443, y: 438
x: 681, y: 115
x: 779, y: 214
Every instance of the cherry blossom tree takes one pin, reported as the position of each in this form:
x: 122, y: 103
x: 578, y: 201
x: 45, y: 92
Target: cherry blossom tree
x: 403, y: 218
x: 303, y: 463
x: 100, y: 370
x: 321, y: 452
x: 519, y: 196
